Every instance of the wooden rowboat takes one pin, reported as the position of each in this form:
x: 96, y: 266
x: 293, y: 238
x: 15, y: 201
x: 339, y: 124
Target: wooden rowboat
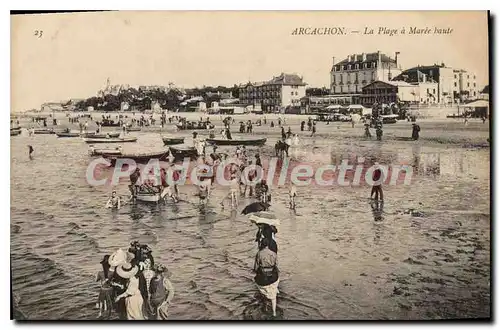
x: 110, y: 140
x: 101, y: 135
x: 44, y: 131
x: 105, y: 151
x: 171, y: 140
x: 182, y: 152
x: 67, y: 134
x: 141, y: 158
x: 248, y: 142
x: 150, y: 194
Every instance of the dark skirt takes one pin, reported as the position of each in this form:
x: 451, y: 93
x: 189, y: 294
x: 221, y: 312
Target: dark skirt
x: 266, y: 278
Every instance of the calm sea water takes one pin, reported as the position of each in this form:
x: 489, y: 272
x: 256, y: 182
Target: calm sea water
x: 336, y: 262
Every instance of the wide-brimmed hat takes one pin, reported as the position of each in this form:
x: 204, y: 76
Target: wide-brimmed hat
x: 126, y: 270
x: 117, y: 258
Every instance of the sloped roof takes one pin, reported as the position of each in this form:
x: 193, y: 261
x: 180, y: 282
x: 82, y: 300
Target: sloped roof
x: 287, y: 79
x: 370, y: 57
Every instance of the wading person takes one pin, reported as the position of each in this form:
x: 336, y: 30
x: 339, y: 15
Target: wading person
x: 313, y: 129
x: 377, y: 178
x: 134, y: 303
x: 267, y: 274
x: 161, y: 293
x: 114, y: 202
x: 204, y: 189
x: 105, y: 300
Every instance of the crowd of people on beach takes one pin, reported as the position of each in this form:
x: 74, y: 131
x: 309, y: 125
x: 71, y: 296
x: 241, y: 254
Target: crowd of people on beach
x: 133, y: 285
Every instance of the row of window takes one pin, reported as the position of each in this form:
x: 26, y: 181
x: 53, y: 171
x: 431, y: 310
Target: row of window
x: 468, y: 77
x: 261, y: 94
x: 367, y: 65
x: 468, y: 84
x: 264, y: 88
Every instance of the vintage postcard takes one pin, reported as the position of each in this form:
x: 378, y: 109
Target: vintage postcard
x: 301, y: 165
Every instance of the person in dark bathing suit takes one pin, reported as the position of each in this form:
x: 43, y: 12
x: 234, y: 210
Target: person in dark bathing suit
x: 377, y: 183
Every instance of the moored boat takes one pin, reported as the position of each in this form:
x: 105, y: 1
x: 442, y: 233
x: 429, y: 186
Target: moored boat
x: 172, y: 140
x: 180, y: 152
x: 105, y: 151
x: 141, y: 158
x: 101, y: 135
x: 110, y: 140
x: 237, y: 142
x: 15, y: 132
x: 44, y: 131
x: 150, y: 194
x: 67, y: 134
x: 133, y: 129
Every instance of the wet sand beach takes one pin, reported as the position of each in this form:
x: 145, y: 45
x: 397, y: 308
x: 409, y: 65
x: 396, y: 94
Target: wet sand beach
x: 336, y: 260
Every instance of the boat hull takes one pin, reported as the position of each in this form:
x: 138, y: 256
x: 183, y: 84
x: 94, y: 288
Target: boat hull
x: 150, y: 198
x: 110, y: 140
x: 67, y: 134
x: 14, y: 133
x: 172, y: 141
x: 251, y: 142
x: 101, y: 135
x: 140, y: 159
x: 44, y: 131
x: 181, y: 153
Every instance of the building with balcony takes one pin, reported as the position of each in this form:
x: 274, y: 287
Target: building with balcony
x: 388, y: 92
x: 350, y: 75
x: 281, y: 91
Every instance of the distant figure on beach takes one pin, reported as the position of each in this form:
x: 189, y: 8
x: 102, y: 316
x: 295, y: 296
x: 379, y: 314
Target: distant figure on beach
x: 272, y: 123
x: 283, y: 134
x: 415, y: 131
x: 302, y: 124
x: 313, y: 129
x: 377, y: 183
x: 30, y: 151
x: 292, y: 193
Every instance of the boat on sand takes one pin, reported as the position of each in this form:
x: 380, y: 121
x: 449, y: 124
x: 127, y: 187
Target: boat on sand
x: 237, y: 142
x: 110, y: 140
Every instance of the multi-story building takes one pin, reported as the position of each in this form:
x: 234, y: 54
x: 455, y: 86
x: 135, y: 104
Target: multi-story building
x: 439, y: 73
x: 281, y: 91
x: 464, y: 85
x: 399, y: 91
x: 350, y: 75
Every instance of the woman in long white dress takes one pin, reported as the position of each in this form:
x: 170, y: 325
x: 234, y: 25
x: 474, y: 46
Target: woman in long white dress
x: 134, y: 302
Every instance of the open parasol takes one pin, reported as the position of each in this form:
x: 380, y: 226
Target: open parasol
x: 265, y: 217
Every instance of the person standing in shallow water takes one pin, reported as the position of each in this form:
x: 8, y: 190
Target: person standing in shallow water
x: 105, y: 300
x: 30, y: 151
x: 377, y: 178
x: 267, y: 273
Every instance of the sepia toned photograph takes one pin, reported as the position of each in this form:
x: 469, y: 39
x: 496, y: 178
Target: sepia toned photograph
x: 250, y: 165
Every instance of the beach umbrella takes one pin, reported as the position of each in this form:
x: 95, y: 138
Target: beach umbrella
x: 255, y: 207
x: 265, y: 217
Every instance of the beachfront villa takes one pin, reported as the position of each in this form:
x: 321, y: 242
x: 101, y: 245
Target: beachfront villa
x: 281, y: 91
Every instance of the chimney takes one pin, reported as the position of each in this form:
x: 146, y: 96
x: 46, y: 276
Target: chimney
x: 363, y: 55
x: 333, y: 60
x: 397, y: 53
x: 348, y: 58
x: 379, y: 56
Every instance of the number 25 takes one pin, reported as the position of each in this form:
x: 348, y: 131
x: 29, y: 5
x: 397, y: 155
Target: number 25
x: 38, y: 33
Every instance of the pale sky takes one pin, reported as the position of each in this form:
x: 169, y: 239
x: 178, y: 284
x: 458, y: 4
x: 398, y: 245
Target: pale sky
x: 77, y: 52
